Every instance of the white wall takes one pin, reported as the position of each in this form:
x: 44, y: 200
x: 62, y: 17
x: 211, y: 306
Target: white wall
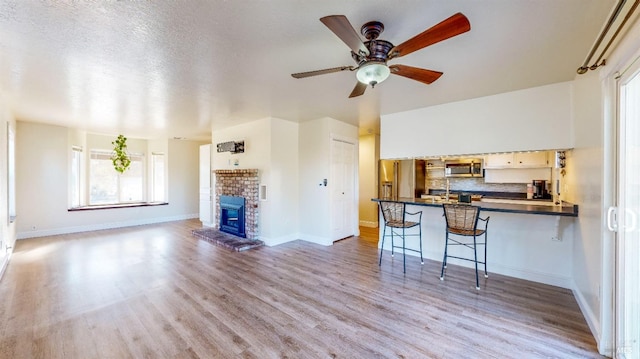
x: 584, y: 181
x: 257, y: 142
x: 282, y: 191
x: 271, y: 147
x: 7, y: 230
x: 369, y: 153
x: 183, y: 180
x: 42, y: 186
x: 314, y: 152
x: 314, y: 160
x: 532, y: 119
x: 594, y: 187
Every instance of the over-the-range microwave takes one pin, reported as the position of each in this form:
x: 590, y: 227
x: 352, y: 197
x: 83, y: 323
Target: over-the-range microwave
x: 468, y: 167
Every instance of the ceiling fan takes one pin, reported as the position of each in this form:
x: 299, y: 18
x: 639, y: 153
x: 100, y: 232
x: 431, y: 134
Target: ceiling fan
x: 371, y: 56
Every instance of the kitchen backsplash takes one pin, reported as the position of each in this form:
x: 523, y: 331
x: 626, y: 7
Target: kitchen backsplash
x: 474, y: 184
x: 435, y: 180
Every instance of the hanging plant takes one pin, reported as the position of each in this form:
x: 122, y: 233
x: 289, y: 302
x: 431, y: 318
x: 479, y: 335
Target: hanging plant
x: 120, y: 157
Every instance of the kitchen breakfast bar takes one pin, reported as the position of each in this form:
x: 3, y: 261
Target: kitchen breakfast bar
x: 531, y: 240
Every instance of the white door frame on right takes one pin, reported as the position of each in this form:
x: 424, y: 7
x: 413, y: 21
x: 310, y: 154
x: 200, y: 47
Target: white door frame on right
x: 622, y: 218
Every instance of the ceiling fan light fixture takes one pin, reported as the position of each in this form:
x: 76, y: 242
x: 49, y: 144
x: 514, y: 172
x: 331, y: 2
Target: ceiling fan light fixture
x: 372, y: 73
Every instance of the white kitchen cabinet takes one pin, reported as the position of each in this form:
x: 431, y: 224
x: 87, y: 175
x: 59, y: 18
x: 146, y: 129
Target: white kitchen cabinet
x: 517, y: 160
x: 531, y: 159
x: 499, y: 160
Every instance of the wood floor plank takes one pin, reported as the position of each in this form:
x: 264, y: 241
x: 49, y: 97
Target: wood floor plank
x: 156, y: 291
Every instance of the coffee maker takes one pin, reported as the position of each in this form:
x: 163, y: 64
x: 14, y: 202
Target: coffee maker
x: 540, y: 189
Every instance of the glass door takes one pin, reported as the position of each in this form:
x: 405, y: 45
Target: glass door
x: 627, y: 286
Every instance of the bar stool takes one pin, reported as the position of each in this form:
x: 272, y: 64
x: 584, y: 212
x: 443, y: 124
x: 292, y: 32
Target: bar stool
x: 462, y: 221
x: 395, y: 216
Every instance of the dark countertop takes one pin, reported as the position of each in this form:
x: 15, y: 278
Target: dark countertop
x: 489, y: 194
x: 567, y: 209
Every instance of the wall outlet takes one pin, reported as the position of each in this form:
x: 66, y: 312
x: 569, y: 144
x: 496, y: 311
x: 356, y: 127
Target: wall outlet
x: 556, y: 239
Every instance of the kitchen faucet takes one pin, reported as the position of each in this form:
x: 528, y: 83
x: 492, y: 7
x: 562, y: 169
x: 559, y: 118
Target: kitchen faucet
x: 447, y: 191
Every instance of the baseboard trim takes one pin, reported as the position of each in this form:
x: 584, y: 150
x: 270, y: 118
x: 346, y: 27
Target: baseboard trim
x: 534, y: 276
x: 294, y: 237
x: 544, y: 278
x: 592, y: 321
x: 102, y: 226
x: 270, y: 242
x: 369, y: 224
x: 5, y: 263
x: 317, y: 240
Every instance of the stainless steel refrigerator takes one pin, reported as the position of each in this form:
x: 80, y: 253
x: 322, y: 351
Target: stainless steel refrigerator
x: 401, y: 178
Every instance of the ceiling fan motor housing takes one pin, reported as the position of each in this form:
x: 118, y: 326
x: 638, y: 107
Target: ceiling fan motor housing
x: 372, y: 30
x: 378, y: 51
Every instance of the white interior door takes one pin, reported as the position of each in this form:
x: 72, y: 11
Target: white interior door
x: 625, y: 223
x: 206, y: 190
x: 342, y: 187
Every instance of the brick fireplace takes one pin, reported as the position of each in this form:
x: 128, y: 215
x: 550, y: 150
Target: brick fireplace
x: 239, y: 183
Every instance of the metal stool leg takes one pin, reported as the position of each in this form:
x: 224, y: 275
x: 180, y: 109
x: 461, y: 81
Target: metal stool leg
x: 384, y: 233
x: 392, y: 242
x: 475, y: 256
x: 420, y: 239
x: 404, y: 254
x: 486, y: 275
x: 444, y: 260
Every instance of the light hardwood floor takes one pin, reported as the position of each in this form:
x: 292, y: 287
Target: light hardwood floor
x: 157, y: 292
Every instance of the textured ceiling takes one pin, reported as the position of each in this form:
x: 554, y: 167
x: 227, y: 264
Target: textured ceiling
x: 181, y: 68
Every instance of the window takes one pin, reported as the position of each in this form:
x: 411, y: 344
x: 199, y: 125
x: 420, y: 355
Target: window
x: 75, y: 178
x: 108, y: 186
x: 93, y: 183
x: 158, y: 187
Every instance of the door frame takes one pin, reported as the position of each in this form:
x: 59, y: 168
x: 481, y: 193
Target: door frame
x: 622, y: 78
x: 620, y: 59
x: 354, y: 142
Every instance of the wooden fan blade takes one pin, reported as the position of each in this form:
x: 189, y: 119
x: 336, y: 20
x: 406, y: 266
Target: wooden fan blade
x: 455, y: 25
x: 301, y: 75
x: 415, y: 73
x: 343, y: 29
x: 358, y: 90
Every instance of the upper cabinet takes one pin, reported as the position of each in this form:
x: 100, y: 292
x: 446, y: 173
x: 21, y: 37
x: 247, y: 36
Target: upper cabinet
x: 517, y: 160
x: 499, y: 160
x: 531, y: 159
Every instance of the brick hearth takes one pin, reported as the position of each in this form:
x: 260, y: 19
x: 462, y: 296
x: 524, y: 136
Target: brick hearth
x: 241, y: 183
